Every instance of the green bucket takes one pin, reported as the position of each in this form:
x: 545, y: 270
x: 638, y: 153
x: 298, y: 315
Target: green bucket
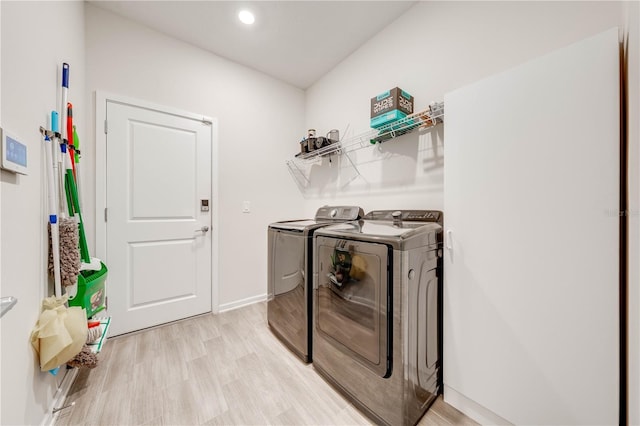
x: 91, y: 294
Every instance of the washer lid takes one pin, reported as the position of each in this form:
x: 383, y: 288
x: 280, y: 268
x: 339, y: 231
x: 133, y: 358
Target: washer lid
x: 295, y: 225
x: 324, y: 216
x: 421, y: 233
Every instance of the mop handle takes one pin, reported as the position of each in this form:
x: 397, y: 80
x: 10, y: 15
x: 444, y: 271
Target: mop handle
x: 63, y: 136
x: 62, y: 154
x: 65, y: 75
x: 55, y: 128
x: 53, y: 217
x: 63, y: 109
x: 54, y: 121
x: 57, y: 162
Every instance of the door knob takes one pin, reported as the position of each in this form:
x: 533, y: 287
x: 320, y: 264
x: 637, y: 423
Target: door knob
x: 7, y: 303
x: 204, y: 229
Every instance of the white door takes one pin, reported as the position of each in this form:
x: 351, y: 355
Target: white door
x: 158, y: 236
x: 532, y: 232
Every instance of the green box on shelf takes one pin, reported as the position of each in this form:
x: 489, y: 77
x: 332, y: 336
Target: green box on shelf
x: 386, y: 118
x: 91, y: 291
x: 390, y: 106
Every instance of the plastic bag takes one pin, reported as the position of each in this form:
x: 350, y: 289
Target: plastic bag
x: 59, y: 333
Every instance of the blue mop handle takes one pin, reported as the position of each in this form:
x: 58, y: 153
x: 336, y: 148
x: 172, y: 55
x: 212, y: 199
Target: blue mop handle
x: 55, y: 121
x: 63, y: 106
x: 65, y: 75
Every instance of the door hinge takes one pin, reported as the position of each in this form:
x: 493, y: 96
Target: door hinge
x: 106, y: 127
x: 105, y: 214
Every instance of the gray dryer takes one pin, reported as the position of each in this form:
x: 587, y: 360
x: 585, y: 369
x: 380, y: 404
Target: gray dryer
x: 289, y: 279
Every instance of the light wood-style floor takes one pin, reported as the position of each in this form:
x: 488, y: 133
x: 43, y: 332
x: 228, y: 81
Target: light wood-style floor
x: 225, y: 369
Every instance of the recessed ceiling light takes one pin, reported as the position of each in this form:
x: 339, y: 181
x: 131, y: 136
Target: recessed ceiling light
x: 246, y: 17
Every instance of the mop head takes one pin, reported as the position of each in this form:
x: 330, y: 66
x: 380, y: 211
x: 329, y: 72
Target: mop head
x: 85, y: 359
x: 69, y: 252
x: 94, y: 334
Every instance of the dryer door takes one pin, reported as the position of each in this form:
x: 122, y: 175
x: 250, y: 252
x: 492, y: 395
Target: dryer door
x: 354, y: 299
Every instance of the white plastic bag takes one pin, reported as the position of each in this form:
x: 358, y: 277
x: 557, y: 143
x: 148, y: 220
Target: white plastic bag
x: 59, y: 333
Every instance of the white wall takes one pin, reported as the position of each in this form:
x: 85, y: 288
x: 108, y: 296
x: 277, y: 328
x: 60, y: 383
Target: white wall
x: 432, y: 49
x: 633, y: 120
x: 256, y: 114
x: 34, y: 46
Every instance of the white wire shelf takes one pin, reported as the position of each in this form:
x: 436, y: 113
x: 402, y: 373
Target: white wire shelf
x: 417, y: 121
x: 421, y: 120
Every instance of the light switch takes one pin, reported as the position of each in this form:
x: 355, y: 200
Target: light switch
x: 246, y: 207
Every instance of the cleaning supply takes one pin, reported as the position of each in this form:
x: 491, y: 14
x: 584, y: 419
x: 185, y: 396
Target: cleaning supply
x: 64, y: 258
x: 62, y: 135
x: 94, y: 333
x: 90, y: 292
x: 60, y: 332
x: 76, y: 151
x: 70, y: 146
x: 96, y: 345
x: 63, y: 106
x: 74, y: 209
x: 85, y: 359
x: 53, y: 218
x: 69, y: 254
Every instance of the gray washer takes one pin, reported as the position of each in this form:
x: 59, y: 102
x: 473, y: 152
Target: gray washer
x: 289, y: 279
x: 377, y: 312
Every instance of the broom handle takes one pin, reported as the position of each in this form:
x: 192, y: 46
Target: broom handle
x: 74, y: 208
x: 84, y: 248
x: 63, y: 132
x: 71, y: 147
x: 76, y: 144
x: 67, y: 188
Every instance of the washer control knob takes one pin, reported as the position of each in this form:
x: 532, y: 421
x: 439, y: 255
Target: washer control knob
x: 397, y: 214
x: 333, y: 212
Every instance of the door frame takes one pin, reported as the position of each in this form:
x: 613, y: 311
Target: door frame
x: 101, y: 99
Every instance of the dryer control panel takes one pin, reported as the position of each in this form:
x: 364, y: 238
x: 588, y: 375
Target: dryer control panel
x: 406, y: 215
x: 340, y: 213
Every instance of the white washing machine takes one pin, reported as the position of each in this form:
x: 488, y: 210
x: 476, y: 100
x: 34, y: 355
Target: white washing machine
x: 289, y: 275
x: 377, y: 312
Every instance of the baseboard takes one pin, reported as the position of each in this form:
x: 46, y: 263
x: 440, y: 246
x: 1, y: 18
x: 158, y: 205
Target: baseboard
x: 471, y: 408
x: 241, y: 303
x: 60, y: 396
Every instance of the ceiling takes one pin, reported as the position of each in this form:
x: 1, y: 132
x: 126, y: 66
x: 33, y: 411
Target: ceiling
x: 295, y: 41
